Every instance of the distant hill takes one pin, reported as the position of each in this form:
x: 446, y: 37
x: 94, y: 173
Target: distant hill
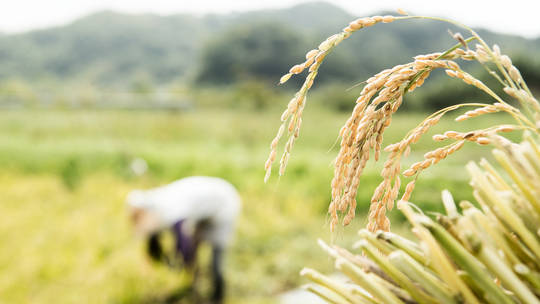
x: 113, y: 49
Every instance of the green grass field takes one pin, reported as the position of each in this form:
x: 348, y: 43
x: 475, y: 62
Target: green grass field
x: 64, y: 176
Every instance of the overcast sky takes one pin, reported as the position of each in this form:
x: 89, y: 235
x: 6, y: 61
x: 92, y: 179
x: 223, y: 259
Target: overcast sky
x: 514, y: 16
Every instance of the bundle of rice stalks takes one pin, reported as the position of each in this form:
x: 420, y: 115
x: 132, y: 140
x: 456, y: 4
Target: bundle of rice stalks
x: 383, y: 94
x: 487, y: 252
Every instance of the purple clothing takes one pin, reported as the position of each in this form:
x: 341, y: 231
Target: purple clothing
x: 185, y: 244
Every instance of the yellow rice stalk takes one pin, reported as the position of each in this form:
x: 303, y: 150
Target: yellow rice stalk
x: 383, y: 94
x: 483, y: 253
x: 487, y: 252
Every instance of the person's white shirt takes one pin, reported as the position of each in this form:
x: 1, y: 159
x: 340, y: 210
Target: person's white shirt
x: 193, y: 199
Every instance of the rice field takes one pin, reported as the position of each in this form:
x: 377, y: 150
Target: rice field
x: 64, y: 176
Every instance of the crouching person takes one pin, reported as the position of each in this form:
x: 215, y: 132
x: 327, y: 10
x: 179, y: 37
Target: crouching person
x: 197, y: 209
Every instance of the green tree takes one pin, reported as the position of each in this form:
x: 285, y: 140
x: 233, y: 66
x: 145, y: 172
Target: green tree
x: 261, y: 51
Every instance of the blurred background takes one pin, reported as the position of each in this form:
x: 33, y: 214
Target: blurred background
x: 98, y: 98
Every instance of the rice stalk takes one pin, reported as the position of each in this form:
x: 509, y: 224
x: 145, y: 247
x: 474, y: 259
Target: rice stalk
x: 487, y: 252
x: 483, y: 253
x: 362, y: 134
x: 472, y: 254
